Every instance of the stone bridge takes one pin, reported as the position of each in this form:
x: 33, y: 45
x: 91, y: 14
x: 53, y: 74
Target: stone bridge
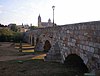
x: 81, y: 39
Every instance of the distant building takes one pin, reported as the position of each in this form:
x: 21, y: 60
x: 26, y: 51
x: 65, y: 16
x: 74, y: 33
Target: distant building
x: 44, y: 24
x: 23, y: 28
x: 20, y: 28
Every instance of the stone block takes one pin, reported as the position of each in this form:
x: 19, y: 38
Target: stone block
x: 96, y: 51
x: 69, y: 43
x: 81, y: 51
x: 68, y: 52
x: 84, y: 47
x: 89, y: 54
x: 87, y: 48
x: 98, y: 39
x: 66, y: 48
x: 84, y: 57
x: 78, y: 45
x: 91, y: 44
x: 68, y: 31
x: 74, y: 40
x: 86, y: 42
x: 82, y: 42
x: 81, y: 46
x: 85, y: 34
x: 96, y: 56
x: 97, y: 45
x: 91, y: 49
x: 63, y: 57
x: 65, y: 54
x: 72, y: 44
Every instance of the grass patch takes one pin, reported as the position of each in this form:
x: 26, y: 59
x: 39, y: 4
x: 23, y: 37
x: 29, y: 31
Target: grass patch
x: 24, y: 47
x: 32, y: 50
x: 39, y: 56
x: 23, y: 44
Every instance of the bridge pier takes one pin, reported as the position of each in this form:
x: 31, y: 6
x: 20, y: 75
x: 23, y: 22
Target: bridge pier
x: 54, y: 54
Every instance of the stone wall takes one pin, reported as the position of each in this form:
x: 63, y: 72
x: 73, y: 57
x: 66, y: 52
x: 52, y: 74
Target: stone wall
x: 82, y: 39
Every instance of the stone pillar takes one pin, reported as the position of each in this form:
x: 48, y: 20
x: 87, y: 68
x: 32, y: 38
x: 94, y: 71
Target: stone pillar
x: 54, y: 53
x: 20, y: 47
x: 31, y: 39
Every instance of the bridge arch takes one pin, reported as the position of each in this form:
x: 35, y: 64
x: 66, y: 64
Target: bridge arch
x: 47, y: 46
x: 76, y: 62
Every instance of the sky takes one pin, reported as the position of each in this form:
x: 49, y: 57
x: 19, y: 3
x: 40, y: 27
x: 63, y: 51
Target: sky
x: 66, y: 11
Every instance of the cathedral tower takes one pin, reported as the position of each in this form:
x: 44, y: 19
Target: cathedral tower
x: 39, y: 21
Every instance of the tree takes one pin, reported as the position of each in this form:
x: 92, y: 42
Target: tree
x: 13, y: 27
x: 9, y: 35
x: 1, y: 25
x: 5, y: 34
x: 17, y: 37
x: 33, y: 27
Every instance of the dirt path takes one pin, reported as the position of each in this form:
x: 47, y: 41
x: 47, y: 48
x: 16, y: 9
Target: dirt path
x: 8, y: 52
x: 25, y: 57
x: 6, y: 58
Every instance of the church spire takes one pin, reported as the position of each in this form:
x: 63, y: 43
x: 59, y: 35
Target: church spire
x: 49, y: 20
x: 39, y: 20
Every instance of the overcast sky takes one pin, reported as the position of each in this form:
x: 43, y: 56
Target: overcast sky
x: 66, y: 11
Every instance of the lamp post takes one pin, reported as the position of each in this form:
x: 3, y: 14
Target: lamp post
x: 53, y: 7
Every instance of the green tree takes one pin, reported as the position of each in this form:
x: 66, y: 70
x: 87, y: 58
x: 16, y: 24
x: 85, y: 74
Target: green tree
x: 5, y: 34
x: 13, y: 27
x: 33, y: 27
x: 17, y: 37
x: 9, y: 35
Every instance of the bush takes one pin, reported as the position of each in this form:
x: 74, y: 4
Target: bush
x: 9, y: 36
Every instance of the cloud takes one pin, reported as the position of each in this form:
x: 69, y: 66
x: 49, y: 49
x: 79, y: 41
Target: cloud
x: 1, y: 9
x: 1, y: 6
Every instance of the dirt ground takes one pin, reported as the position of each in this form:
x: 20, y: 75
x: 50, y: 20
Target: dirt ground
x: 15, y: 63
x: 7, y: 49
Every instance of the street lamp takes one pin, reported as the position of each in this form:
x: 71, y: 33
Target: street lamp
x: 53, y: 7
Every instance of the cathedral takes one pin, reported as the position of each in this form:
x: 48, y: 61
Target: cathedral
x: 44, y: 24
